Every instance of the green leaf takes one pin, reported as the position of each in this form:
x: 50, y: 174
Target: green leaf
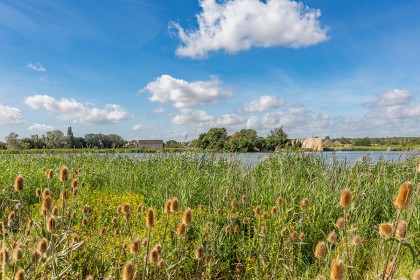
x: 411, y: 250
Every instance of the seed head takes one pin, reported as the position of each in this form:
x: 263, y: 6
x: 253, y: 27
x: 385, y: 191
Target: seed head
x: 181, y: 229
x: 144, y: 242
x: 265, y: 216
x: 257, y: 211
x: 347, y: 218
x: 385, y: 229
x: 64, y: 174
x: 283, y: 233
x: 4, y: 255
x: 150, y: 218
x: 42, y: 246
x: 64, y: 194
x: 54, y: 211
x: 73, y: 215
x: 20, y: 275
x: 389, y: 269
x: 158, y: 248
x: 186, y: 217
x: 404, y: 195
x: 345, y: 199
x: 35, y: 256
x: 332, y: 237
x: 135, y: 246
x: 11, y: 215
x: 75, y: 191
x: 2, y: 228
x: 18, y: 183
x: 153, y: 255
x: 279, y: 201
x: 236, y: 228
x: 46, y: 203
x: 301, y: 236
x: 125, y: 208
x: 199, y: 252
x: 84, y: 221
x: 51, y: 224
x: 304, y: 203
x: 160, y: 264
x: 356, y: 240
x: 49, y: 173
x: 102, y: 231
x: 128, y: 271
x: 274, y: 210
x: 294, y: 235
x: 233, y: 202
x: 174, y: 205
x: 167, y: 207
x: 17, y: 253
x: 74, y: 183
x: 401, y: 230
x: 227, y: 229
x: 243, y: 199
x: 46, y: 192
x: 245, y: 220
x: 416, y: 274
x: 117, y: 231
x: 337, y: 270
x: 89, y: 277
x: 320, y: 250
x: 340, y: 223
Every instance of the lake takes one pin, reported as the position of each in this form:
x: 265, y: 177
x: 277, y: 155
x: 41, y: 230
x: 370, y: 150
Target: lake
x: 350, y: 157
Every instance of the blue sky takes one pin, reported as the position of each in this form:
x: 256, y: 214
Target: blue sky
x: 171, y: 69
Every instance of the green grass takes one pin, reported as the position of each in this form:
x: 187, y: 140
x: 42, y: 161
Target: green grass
x: 109, y: 180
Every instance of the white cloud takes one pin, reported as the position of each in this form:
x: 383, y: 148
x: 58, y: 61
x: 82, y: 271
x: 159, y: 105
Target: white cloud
x: 10, y: 115
x: 392, y: 97
x: 36, y: 67
x: 40, y: 127
x: 237, y: 25
x: 264, y: 103
x: 183, y: 94
x: 191, y: 116
x: 138, y: 127
x: 70, y: 109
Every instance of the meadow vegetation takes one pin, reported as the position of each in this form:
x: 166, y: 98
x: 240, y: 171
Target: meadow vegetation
x: 197, y: 216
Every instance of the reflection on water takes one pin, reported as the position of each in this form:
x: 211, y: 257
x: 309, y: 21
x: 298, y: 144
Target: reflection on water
x: 252, y: 159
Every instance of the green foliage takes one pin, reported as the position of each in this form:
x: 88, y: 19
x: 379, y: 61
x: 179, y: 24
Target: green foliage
x: 242, y: 141
x: 172, y: 144
x: 361, y: 141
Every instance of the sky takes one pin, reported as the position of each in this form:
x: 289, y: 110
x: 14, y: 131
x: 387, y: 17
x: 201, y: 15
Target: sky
x: 172, y: 69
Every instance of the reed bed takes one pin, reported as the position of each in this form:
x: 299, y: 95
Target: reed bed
x: 192, y: 216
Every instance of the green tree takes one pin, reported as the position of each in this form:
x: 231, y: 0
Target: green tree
x: 276, y: 139
x: 56, y: 139
x: 13, y: 142
x: 361, y: 141
x: 242, y: 141
x: 216, y: 138
x: 70, y: 137
x: 171, y: 144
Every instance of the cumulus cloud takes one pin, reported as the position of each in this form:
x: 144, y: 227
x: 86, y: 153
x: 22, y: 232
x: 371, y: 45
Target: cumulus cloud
x: 392, y: 97
x: 159, y: 110
x: 237, y: 25
x: 183, y: 94
x: 191, y: 116
x: 138, y: 127
x: 264, y: 103
x: 40, y: 127
x: 70, y: 109
x: 10, y: 115
x: 36, y: 67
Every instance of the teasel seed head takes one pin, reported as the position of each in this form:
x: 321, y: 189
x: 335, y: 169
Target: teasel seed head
x: 117, y: 231
x: 46, y: 192
x: 11, y: 215
x: 128, y: 271
x: 160, y: 264
x: 75, y: 191
x: 135, y: 246
x: 144, y: 242
x: 265, y: 216
x: 174, y: 205
x: 153, y: 255
x: 42, y: 245
x: 181, y: 229
x: 337, y: 270
x: 294, y: 235
x: 257, y: 211
x: 35, y: 256
x: 332, y: 237
x: 17, y: 253
x: 243, y: 199
x: 388, y: 270
x: 233, y: 202
x: 340, y: 223
x: 46, y: 203
x: 51, y: 224
x: 167, y: 207
x: 385, y: 229
x: 347, y: 218
x: 279, y: 201
x: 74, y: 183
x: 4, y: 255
x: 2, y: 228
x: 236, y: 228
x: 64, y: 174
x: 218, y: 211
x: 150, y: 218
x: 127, y: 216
x: 404, y: 195
x: 227, y: 229
x: 186, y: 217
x: 283, y: 233
x: 54, y: 211
x: 158, y: 248
x: 73, y: 215
x: 199, y: 252
x: 356, y: 240
x: 320, y: 250
x: 274, y: 210
x: 49, y: 173
x: 102, y: 231
x: 345, y: 199
x: 89, y: 277
x: 304, y: 203
x: 401, y: 231
x: 208, y: 226
x: 119, y: 209
x: 84, y: 221
x: 20, y: 275
x: 245, y: 220
x: 114, y: 220
x: 86, y: 209
x: 301, y: 236
x: 18, y: 183
x: 64, y: 194
x: 125, y: 208
x: 416, y: 274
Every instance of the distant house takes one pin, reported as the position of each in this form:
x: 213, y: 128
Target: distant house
x: 150, y: 144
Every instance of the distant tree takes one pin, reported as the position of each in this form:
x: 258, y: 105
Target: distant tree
x: 70, y: 137
x: 260, y: 143
x: 242, y: 141
x: 56, y: 139
x: 171, y: 144
x: 27, y: 143
x: 361, y: 141
x: 216, y: 138
x: 3, y: 146
x: 38, y: 142
x: 13, y: 142
x: 276, y: 139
